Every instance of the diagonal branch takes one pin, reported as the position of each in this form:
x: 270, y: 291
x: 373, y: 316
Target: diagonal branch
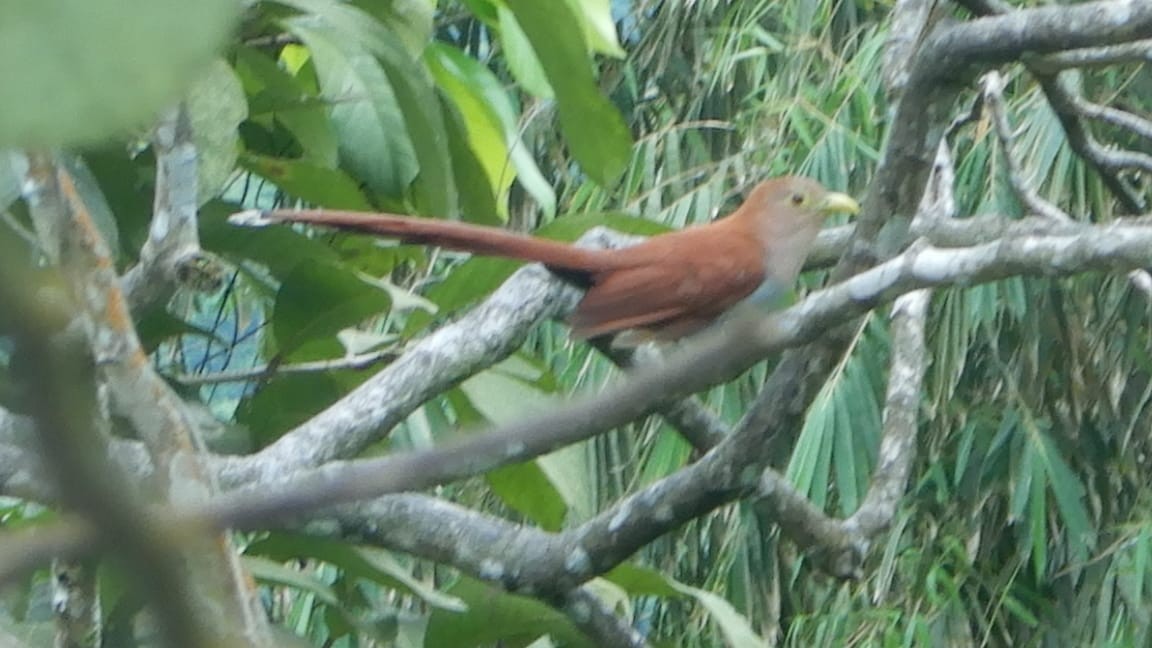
x: 171, y: 256
x: 712, y: 359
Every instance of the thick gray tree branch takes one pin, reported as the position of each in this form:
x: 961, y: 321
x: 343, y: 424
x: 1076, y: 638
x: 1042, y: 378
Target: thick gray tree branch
x: 171, y: 256
x: 1076, y: 248
x: 712, y: 359
x: 1072, y: 109
x: 947, y: 60
x: 901, y: 416
x: 121, y: 368
x: 1140, y: 50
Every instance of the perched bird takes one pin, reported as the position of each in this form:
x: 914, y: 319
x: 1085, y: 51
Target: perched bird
x: 665, y: 288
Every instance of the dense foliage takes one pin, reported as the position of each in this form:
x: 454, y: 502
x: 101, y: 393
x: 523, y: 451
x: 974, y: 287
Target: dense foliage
x: 1027, y: 517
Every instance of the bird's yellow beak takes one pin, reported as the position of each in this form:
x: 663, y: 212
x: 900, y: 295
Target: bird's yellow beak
x: 835, y: 202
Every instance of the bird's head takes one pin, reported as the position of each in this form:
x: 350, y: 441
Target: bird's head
x: 801, y: 197
x: 786, y: 213
x: 794, y: 206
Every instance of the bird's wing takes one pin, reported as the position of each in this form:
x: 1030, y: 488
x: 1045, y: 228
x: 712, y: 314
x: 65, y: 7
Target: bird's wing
x: 671, y: 287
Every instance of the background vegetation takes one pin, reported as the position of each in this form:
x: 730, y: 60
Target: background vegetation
x: 1026, y: 520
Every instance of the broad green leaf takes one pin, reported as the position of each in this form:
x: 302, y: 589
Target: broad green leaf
x: 125, y: 182
x: 411, y: 20
x: 278, y: 248
x: 308, y: 181
x: 593, y: 128
x: 520, y: 57
x: 373, y: 136
x: 465, y: 81
x: 495, y: 616
x: 735, y: 627
x: 508, y: 391
x: 527, y: 489
x: 286, y: 401
x: 317, y: 300
x: 359, y: 56
x: 435, y: 188
x: 495, y: 99
x: 312, y: 129
x: 478, y: 202
x: 216, y: 106
x: 88, y: 71
x: 641, y: 581
x: 572, y: 474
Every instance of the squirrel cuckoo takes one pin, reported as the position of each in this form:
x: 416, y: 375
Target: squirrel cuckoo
x: 665, y: 288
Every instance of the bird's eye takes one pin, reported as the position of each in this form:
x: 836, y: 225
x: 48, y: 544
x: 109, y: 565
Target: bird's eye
x: 797, y: 199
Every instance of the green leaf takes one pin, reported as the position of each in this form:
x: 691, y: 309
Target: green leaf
x: 86, y: 71
x: 308, y: 181
x: 478, y: 203
x: 592, y: 126
x: 599, y: 30
x: 641, y: 581
x: 278, y: 248
x: 465, y: 81
x: 369, y: 124
x: 495, y: 616
x: 411, y: 20
x: 358, y: 58
x: 1069, y: 493
x: 519, y: 56
x: 266, y: 571
x: 482, y: 87
x: 286, y: 401
x: 316, y: 300
x: 126, y: 183
x: 435, y: 187
x: 505, y: 393
x: 277, y: 94
x: 361, y: 562
x: 527, y: 489
x: 735, y: 627
x: 216, y: 105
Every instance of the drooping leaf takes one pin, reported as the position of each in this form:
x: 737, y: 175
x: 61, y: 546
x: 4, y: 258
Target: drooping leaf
x: 495, y: 616
x: 359, y: 562
x: 316, y: 300
x: 308, y: 181
x: 370, y: 127
x: 592, y: 126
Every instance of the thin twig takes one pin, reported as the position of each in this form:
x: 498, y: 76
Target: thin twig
x: 353, y: 361
x: 992, y: 89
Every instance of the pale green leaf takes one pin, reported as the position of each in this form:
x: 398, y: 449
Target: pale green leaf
x: 87, y: 71
x: 216, y: 106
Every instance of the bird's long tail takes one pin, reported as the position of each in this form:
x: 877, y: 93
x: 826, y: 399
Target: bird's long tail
x: 488, y: 241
